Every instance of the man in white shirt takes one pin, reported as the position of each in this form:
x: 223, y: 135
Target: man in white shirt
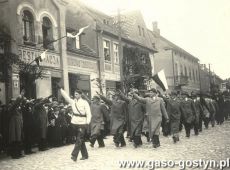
x: 80, y: 120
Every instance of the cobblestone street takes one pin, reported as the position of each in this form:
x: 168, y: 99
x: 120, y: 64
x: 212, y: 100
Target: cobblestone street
x: 211, y: 144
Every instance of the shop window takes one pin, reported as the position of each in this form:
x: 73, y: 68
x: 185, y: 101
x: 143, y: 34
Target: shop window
x: 47, y: 32
x: 73, y: 41
x: 28, y: 27
x: 106, y: 47
x: 115, y: 53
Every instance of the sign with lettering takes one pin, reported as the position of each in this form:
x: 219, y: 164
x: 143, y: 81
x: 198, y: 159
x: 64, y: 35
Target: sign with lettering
x: 80, y: 63
x: 29, y: 55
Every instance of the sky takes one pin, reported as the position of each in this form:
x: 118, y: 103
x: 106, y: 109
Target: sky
x: 201, y: 27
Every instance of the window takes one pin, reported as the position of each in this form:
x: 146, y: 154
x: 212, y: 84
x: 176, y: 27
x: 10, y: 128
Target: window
x: 115, y: 53
x: 193, y: 73
x: 139, y: 28
x: 185, y: 71
x: 190, y: 74
x: 143, y: 59
x: 106, y: 47
x: 143, y: 31
x: 197, y: 78
x: 47, y: 33
x: 73, y: 42
x: 176, y: 69
x: 28, y: 26
x: 181, y: 70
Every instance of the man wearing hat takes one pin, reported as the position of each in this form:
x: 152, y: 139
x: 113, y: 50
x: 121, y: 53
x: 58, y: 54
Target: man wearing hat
x: 80, y: 120
x: 173, y: 110
x: 155, y: 109
x: 188, y: 112
x: 136, y: 117
x: 118, y: 118
x: 97, y: 122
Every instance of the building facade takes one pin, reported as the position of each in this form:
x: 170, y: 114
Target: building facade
x: 181, y: 68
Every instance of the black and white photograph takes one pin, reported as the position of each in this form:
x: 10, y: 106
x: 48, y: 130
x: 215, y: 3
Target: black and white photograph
x: 114, y: 84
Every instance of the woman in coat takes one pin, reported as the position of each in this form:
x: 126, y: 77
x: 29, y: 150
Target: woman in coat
x: 155, y: 108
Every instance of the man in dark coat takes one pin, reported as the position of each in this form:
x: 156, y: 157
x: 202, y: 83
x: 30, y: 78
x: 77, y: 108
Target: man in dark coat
x: 136, y: 117
x: 198, y: 113
x: 97, y: 122
x: 187, y: 109
x: 28, y: 126
x: 41, y: 121
x: 173, y: 109
x: 118, y: 118
x: 16, y: 127
x: 155, y: 109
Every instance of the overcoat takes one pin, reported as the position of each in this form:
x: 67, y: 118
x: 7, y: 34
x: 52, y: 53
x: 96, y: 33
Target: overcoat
x: 187, y: 109
x: 173, y: 110
x: 41, y: 119
x: 97, y: 121
x: 117, y: 115
x: 136, y: 116
x: 155, y: 109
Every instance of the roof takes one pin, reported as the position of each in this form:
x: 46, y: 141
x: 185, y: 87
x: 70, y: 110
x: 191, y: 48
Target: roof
x: 177, y: 48
x: 130, y: 21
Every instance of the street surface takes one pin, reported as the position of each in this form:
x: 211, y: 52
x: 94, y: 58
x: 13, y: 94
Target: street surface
x: 211, y: 144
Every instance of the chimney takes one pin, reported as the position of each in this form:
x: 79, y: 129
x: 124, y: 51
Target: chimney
x: 155, y: 28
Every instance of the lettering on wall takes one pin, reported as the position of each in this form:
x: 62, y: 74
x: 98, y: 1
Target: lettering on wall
x: 86, y: 64
x: 28, y: 55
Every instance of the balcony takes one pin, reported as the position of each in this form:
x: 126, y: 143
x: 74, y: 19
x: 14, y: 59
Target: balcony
x: 181, y: 80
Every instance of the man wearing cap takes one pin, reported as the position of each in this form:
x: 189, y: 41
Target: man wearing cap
x: 97, y: 122
x: 136, y: 117
x: 173, y: 109
x: 188, y: 112
x: 118, y: 118
x: 80, y: 120
x: 155, y: 108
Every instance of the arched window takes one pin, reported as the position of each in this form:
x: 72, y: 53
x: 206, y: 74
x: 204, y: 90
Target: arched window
x: 47, y: 33
x: 181, y: 70
x: 28, y: 26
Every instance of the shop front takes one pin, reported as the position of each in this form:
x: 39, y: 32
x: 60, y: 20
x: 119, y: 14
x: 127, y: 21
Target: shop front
x: 51, y: 74
x: 82, y: 73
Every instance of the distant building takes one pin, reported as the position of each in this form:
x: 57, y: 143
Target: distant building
x: 180, y: 67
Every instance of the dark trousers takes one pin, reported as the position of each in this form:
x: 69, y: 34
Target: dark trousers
x: 15, y: 149
x: 119, y: 139
x: 99, y: 139
x: 155, y: 140
x: 200, y: 123
x: 206, y: 122
x: 187, y: 127
x: 80, y: 131
x: 137, y: 140
x: 196, y: 128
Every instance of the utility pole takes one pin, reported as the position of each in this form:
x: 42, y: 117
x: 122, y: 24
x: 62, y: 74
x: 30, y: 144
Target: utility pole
x: 120, y: 50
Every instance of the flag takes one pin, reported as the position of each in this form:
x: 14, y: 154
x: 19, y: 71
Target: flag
x: 41, y: 57
x: 81, y: 30
x: 160, y: 79
x: 74, y: 35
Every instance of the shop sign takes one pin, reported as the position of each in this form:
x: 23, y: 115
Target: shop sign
x: 28, y: 55
x: 86, y: 64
